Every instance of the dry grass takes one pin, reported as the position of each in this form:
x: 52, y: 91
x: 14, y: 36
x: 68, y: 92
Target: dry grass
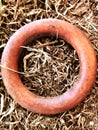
x: 48, y: 70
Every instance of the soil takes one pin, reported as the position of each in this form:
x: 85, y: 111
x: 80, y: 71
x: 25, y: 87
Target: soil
x: 49, y: 70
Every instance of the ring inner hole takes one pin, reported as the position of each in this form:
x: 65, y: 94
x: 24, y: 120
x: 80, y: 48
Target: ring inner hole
x: 50, y: 70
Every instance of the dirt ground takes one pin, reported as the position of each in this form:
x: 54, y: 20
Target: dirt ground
x: 54, y: 65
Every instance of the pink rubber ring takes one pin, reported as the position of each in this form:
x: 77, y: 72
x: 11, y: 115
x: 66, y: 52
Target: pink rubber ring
x: 67, y: 100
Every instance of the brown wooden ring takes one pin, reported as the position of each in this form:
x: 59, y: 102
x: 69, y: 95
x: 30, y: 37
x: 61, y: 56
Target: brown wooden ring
x: 67, y: 100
